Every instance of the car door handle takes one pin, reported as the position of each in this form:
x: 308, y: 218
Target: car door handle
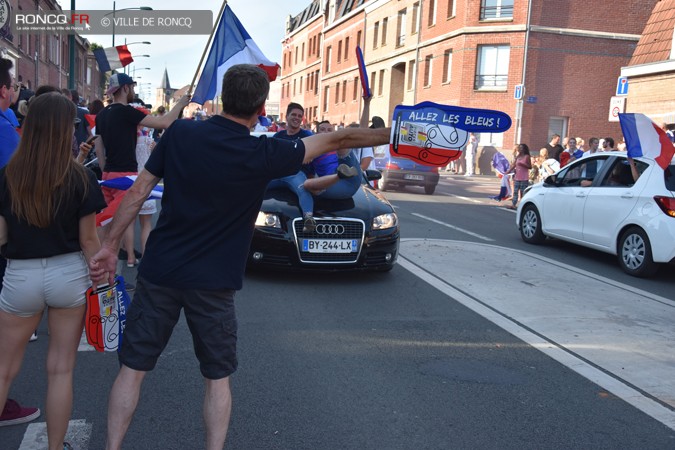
x: 627, y: 195
x: 581, y: 194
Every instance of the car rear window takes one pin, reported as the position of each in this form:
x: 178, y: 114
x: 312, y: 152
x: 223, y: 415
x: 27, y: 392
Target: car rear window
x: 670, y: 177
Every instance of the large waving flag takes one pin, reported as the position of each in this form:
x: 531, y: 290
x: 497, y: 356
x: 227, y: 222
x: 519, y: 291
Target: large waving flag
x: 231, y: 45
x: 122, y: 183
x: 112, y: 58
x: 644, y: 138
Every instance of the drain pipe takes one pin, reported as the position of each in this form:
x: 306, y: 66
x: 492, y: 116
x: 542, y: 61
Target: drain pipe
x: 519, y: 106
x: 417, y: 52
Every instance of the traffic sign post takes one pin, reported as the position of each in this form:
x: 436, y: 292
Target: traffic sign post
x: 616, y: 105
x: 622, y: 86
x: 518, y: 92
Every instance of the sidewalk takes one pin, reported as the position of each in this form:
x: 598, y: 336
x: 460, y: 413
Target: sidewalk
x: 617, y: 336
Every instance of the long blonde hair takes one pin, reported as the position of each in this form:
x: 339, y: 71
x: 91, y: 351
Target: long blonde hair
x: 42, y: 172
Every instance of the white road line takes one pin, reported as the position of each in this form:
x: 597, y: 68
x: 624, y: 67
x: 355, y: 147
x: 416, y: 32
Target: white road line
x: 621, y: 390
x: 35, y: 438
x: 462, y: 230
x: 466, y: 199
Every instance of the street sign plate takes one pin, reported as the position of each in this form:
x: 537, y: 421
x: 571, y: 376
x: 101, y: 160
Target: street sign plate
x: 622, y: 86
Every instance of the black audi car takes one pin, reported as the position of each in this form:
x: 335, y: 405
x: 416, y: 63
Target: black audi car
x: 359, y: 233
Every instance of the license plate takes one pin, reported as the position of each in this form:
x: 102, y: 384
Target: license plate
x: 413, y: 177
x: 330, y: 245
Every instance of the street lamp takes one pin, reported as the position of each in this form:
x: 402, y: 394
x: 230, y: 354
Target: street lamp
x: 114, y: 11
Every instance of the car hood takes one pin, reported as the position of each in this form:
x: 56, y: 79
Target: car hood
x: 365, y: 204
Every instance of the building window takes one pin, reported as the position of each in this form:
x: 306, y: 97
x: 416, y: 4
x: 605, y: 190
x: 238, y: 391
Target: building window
x: 344, y: 90
x: 302, y: 53
x: 380, y: 89
x: 316, y: 83
x: 400, y: 28
x: 325, y: 99
x: 346, y: 48
x: 300, y: 85
x: 415, y: 13
x: 376, y: 31
x: 427, y: 71
x: 372, y: 82
x: 339, y: 55
x: 295, y: 82
x: 385, y: 22
x: 451, y: 8
x: 296, y: 55
x: 431, y: 20
x: 329, y: 52
x: 337, y: 92
x: 492, y: 67
x: 496, y: 9
x: 356, y: 88
x: 411, y: 74
x: 447, y: 66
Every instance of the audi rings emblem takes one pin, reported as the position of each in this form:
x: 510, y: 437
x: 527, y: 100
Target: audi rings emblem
x: 324, y: 228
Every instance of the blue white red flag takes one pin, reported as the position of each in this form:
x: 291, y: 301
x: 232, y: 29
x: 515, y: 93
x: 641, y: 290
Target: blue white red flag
x: 644, y: 138
x: 365, y: 85
x: 231, y: 45
x: 112, y: 58
x: 122, y: 183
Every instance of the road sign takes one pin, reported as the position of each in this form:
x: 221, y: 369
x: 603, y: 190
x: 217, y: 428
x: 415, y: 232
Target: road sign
x: 518, y: 92
x: 622, y: 86
x: 616, y: 105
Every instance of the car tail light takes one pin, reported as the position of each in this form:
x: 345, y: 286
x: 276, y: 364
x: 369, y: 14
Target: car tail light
x: 667, y: 205
x: 392, y: 166
x: 434, y: 169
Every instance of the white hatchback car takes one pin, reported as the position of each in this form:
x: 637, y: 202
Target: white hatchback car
x: 595, y: 202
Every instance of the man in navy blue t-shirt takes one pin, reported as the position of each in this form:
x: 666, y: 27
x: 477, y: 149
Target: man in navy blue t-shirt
x: 195, y: 257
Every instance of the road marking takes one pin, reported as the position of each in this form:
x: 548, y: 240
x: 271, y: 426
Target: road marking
x: 462, y: 230
x: 641, y: 399
x: 466, y: 199
x: 35, y: 438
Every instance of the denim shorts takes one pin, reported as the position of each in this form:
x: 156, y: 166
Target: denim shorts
x: 154, y: 312
x: 31, y: 284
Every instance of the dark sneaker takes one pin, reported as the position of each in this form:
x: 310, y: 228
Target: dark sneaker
x: 33, y: 337
x: 67, y: 446
x: 309, y: 225
x: 14, y: 414
x: 345, y: 171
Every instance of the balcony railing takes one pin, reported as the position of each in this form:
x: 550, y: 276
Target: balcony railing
x: 491, y: 82
x: 496, y: 12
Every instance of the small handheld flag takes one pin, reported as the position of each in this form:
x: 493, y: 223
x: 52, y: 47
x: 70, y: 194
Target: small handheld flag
x: 365, y: 85
x: 434, y: 134
x: 644, y: 138
x: 112, y: 58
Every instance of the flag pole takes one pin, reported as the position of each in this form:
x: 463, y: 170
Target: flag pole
x: 208, y: 44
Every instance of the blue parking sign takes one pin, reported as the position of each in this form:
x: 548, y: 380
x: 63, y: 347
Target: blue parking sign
x: 622, y: 86
x: 518, y: 92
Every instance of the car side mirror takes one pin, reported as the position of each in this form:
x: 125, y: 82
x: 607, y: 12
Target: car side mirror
x: 372, y: 175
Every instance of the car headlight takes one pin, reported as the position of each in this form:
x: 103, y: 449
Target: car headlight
x: 385, y: 221
x: 267, y: 220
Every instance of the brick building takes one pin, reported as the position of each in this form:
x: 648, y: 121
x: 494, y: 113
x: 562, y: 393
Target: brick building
x: 470, y: 53
x: 651, y: 71
x: 44, y: 59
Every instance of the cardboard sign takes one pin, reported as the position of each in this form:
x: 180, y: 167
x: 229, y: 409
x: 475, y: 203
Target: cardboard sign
x: 106, y: 315
x: 434, y: 135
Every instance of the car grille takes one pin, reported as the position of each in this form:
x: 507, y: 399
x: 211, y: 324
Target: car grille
x: 333, y: 228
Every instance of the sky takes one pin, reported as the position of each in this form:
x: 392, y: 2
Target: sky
x: 265, y: 22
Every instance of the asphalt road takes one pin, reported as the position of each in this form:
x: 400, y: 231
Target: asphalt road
x: 397, y: 360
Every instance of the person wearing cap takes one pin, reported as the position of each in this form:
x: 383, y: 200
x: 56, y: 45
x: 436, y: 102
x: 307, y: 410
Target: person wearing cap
x: 115, y: 145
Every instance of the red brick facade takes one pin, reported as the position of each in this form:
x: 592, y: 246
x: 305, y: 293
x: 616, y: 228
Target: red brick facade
x: 421, y: 50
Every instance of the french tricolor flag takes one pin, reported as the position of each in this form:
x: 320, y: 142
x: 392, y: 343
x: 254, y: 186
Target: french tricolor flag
x: 122, y: 183
x: 644, y: 138
x: 231, y: 45
x: 112, y: 58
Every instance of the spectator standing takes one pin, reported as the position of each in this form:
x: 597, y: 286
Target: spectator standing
x: 548, y: 165
x: 554, y: 148
x: 470, y: 151
x: 608, y: 145
x: 12, y: 413
x: 196, y: 255
x: 48, y: 204
x: 116, y: 126
x: 521, y: 168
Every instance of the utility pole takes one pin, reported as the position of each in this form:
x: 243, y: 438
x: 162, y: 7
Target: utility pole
x: 71, y: 55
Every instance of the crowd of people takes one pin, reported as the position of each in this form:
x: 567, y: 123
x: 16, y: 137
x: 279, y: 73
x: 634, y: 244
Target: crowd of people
x: 193, y: 260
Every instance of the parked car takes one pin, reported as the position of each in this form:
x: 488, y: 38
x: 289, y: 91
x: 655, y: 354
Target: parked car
x: 401, y: 172
x: 595, y: 202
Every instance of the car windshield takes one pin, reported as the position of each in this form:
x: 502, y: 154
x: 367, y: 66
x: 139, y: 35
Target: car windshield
x: 669, y: 174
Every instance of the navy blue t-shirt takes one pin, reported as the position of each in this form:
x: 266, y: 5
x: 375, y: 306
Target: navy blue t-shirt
x: 283, y: 134
x: 215, y: 174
